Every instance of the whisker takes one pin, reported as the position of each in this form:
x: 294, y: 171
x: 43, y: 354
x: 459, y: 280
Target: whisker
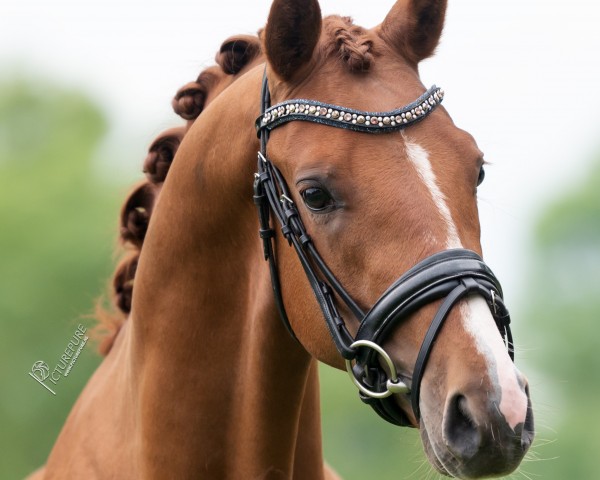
x: 422, y: 463
x: 527, y: 475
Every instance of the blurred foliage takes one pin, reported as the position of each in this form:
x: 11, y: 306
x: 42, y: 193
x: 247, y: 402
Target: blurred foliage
x: 57, y: 231
x: 358, y: 444
x: 563, y: 318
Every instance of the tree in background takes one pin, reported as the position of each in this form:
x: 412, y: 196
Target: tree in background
x: 564, y: 321
x: 57, y: 230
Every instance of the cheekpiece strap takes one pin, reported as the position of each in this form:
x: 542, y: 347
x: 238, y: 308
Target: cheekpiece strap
x: 348, y: 118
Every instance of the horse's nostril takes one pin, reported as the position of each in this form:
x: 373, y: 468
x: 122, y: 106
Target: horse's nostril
x: 462, y: 436
x: 478, y: 436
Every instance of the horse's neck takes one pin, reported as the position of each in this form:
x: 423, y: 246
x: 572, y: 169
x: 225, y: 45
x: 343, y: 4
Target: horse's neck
x: 221, y: 387
x: 203, y: 381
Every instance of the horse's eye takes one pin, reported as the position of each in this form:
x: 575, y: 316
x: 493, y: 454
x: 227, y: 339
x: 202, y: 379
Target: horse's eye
x: 317, y: 199
x: 481, y: 176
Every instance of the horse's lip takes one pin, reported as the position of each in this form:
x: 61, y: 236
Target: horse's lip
x: 403, y: 401
x: 431, y: 454
x: 446, y: 464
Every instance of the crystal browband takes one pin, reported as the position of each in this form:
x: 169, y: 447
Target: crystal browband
x: 333, y: 115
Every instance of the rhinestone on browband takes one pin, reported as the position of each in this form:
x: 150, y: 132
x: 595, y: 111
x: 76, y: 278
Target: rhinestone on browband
x: 336, y: 116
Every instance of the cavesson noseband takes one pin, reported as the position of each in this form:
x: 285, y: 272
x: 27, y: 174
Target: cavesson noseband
x: 449, y: 275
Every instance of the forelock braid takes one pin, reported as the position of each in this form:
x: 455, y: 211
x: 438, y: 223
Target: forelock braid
x: 352, y: 46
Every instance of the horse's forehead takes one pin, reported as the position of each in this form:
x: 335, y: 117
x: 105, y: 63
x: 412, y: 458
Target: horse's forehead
x: 332, y: 150
x: 390, y: 82
x: 356, y: 68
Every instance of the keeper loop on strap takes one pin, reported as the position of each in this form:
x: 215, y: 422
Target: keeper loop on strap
x: 290, y: 212
x: 304, y: 239
x: 470, y: 284
x: 266, y: 233
x: 287, y: 232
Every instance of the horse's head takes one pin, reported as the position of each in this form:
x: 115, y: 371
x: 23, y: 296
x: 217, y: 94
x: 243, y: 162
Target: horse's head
x: 377, y: 205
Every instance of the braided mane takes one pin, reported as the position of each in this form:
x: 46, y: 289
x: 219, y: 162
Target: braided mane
x: 342, y: 40
x: 348, y: 42
x: 236, y: 55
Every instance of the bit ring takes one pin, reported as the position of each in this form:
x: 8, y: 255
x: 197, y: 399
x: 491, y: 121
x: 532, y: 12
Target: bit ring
x: 393, y: 384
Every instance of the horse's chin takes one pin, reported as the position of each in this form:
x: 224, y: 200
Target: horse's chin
x: 431, y: 454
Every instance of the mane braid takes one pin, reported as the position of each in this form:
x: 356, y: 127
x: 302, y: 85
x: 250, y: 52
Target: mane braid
x: 111, y: 311
x: 349, y: 43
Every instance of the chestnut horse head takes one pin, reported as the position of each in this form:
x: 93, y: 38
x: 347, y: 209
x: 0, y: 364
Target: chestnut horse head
x: 368, y: 177
x: 367, y: 212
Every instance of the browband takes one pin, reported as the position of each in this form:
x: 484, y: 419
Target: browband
x: 348, y: 118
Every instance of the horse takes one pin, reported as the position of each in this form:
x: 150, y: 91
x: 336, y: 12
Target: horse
x: 369, y: 260
x: 236, y: 55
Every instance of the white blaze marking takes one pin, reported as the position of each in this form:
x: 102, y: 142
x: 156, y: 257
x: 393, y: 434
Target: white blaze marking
x: 420, y: 159
x: 479, y: 323
x: 476, y: 316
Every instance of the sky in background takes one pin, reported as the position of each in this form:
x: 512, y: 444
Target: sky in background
x: 520, y: 75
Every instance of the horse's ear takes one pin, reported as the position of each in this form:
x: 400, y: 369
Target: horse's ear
x: 291, y: 34
x: 237, y: 52
x: 414, y: 27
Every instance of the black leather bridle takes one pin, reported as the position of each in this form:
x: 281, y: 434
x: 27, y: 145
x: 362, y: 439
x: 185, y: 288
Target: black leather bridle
x: 449, y: 275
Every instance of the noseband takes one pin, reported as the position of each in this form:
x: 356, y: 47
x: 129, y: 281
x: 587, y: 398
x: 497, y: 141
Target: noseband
x: 449, y: 275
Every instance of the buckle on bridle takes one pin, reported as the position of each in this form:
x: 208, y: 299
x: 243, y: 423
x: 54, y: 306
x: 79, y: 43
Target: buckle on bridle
x: 494, y: 306
x: 284, y: 198
x: 392, y: 385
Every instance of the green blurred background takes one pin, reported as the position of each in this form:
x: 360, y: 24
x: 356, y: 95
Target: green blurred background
x: 57, y: 232
x: 519, y: 76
